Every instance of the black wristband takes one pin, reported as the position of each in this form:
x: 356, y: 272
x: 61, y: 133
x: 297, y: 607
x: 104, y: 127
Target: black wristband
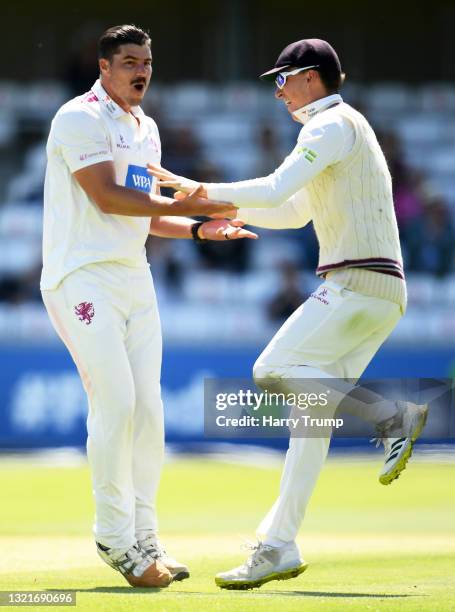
x: 194, y: 229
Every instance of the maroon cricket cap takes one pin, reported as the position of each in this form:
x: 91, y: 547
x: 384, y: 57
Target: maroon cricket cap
x: 307, y: 52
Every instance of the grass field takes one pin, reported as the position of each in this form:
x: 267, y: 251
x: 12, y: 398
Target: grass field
x: 369, y: 547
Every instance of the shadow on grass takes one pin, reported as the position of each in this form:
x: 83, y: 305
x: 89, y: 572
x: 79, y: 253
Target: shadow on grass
x: 126, y: 590
x: 122, y: 590
x: 346, y: 595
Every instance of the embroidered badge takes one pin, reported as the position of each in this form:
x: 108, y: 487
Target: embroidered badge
x: 85, y: 312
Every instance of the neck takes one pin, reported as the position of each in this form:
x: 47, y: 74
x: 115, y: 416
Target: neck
x: 124, y: 105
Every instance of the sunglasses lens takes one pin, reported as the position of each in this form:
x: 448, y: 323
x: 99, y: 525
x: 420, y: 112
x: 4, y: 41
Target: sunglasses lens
x: 280, y: 80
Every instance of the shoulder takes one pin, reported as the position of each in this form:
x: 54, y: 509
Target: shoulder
x: 79, y: 112
x: 326, y: 125
x: 351, y: 115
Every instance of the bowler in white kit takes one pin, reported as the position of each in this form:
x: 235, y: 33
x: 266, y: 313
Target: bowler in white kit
x: 337, y: 177
x: 100, y: 204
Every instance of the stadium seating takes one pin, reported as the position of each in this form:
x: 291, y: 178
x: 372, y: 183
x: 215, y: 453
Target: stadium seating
x: 227, y: 122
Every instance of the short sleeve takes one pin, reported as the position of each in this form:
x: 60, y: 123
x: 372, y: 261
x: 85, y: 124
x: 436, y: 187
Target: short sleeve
x: 81, y: 138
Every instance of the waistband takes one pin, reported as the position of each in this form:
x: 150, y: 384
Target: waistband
x: 373, y: 284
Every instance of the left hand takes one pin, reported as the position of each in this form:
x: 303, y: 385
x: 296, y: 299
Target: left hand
x: 224, y: 229
x: 166, y: 178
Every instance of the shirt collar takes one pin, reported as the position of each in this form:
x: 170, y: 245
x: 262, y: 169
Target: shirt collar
x: 304, y: 114
x: 112, y: 107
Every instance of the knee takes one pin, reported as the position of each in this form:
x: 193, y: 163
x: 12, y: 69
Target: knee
x: 122, y: 403
x: 265, y: 374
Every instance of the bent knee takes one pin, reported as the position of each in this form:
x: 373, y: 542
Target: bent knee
x: 265, y: 374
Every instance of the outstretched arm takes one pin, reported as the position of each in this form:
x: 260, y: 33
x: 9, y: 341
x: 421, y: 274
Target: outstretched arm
x: 317, y: 148
x: 216, y: 229
x: 99, y: 183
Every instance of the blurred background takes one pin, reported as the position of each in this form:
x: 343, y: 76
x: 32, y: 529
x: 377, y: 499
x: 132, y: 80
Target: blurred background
x: 220, y: 304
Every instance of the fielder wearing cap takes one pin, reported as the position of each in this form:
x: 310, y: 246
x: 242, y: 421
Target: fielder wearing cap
x: 337, y: 177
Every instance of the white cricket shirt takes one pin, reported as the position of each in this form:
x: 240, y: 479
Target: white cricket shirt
x: 87, y: 130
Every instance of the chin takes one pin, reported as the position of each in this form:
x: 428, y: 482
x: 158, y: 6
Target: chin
x: 135, y: 101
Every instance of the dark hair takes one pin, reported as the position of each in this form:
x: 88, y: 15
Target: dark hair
x: 332, y: 82
x: 110, y: 41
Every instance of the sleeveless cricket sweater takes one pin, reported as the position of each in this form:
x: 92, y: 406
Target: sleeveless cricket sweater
x: 353, y: 215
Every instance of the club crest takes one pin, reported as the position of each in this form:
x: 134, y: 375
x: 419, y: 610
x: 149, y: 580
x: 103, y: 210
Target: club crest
x: 85, y: 312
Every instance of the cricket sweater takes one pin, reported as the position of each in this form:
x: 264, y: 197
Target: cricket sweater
x: 337, y: 177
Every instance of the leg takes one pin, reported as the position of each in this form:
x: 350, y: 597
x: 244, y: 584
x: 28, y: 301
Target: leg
x: 97, y: 347
x: 144, y: 352
x: 144, y: 347
x: 345, y: 324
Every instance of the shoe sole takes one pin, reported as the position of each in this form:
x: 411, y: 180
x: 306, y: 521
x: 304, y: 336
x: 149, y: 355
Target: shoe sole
x: 400, y: 465
x: 180, y: 576
x: 242, y: 585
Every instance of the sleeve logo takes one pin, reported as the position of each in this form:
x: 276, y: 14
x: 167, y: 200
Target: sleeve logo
x: 138, y: 178
x: 307, y: 153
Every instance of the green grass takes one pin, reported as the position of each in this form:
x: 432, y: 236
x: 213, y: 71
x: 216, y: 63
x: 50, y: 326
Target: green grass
x: 369, y: 547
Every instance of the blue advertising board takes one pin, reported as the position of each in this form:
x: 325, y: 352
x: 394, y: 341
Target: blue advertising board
x: 43, y: 403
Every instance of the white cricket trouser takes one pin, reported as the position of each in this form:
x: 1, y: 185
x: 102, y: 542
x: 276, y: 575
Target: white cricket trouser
x: 336, y: 332
x: 107, y: 315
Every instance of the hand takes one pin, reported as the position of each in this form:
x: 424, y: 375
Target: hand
x: 174, y: 181
x: 229, y: 214
x: 223, y: 229
x: 195, y: 205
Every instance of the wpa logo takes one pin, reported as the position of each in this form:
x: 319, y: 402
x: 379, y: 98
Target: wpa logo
x: 138, y: 178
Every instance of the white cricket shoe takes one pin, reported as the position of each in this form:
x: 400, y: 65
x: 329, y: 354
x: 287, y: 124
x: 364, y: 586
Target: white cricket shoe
x: 153, y: 548
x: 409, y: 422
x: 264, y: 564
x: 139, y: 568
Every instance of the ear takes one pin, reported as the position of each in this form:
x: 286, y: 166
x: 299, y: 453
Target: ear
x: 310, y: 75
x: 103, y: 64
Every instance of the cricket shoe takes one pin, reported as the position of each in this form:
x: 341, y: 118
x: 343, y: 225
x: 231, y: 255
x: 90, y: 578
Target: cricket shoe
x: 153, y: 548
x: 139, y: 568
x: 408, y: 422
x: 266, y: 563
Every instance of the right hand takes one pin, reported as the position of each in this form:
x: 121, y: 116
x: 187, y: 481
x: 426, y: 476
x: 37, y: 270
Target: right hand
x: 194, y: 204
x: 229, y: 214
x: 166, y: 178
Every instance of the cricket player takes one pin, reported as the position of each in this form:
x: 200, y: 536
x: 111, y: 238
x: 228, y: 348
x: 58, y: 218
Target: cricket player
x: 100, y: 204
x: 337, y: 177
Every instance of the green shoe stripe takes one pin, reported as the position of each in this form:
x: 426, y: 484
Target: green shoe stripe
x: 292, y: 572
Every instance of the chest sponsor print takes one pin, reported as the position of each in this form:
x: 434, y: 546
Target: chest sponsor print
x: 138, y: 178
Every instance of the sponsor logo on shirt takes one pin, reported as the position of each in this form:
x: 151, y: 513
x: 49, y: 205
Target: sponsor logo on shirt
x: 122, y: 144
x: 90, y: 97
x: 84, y: 156
x: 138, y: 178
x: 308, y: 154
x: 154, y: 144
x: 320, y: 296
